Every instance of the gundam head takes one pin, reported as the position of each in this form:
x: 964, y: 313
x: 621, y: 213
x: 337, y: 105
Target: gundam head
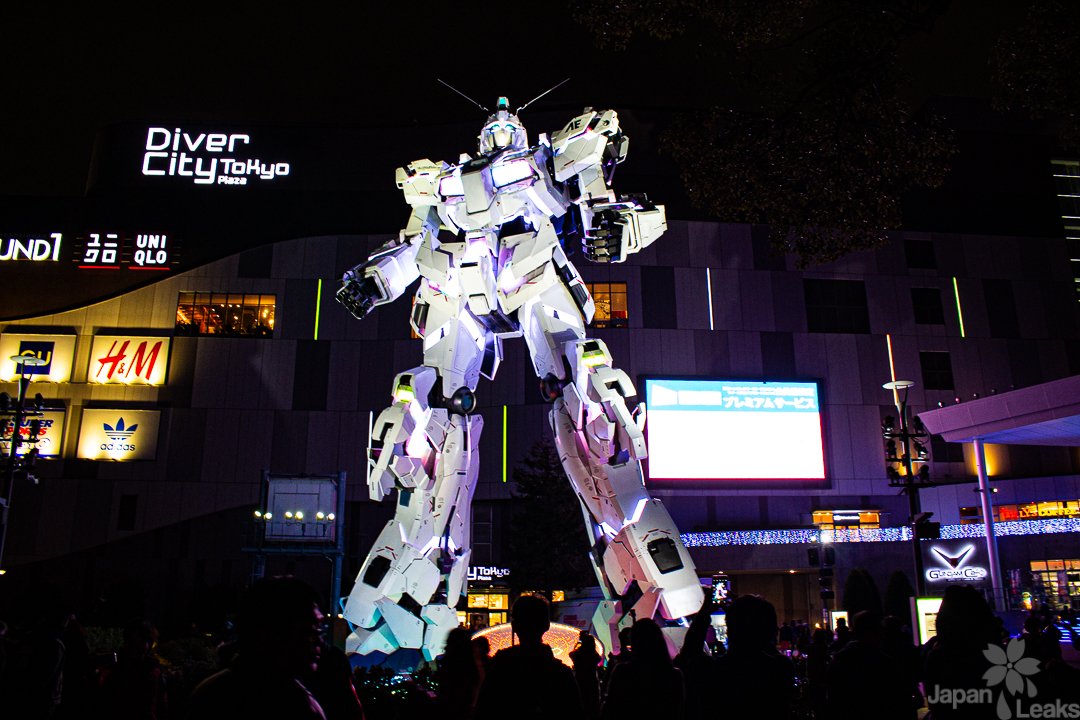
x: 503, y: 131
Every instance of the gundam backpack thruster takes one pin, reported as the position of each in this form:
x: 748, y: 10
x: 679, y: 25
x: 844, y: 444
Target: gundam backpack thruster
x: 497, y: 270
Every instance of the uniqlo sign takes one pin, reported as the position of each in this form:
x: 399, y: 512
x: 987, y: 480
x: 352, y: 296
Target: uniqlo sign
x: 128, y: 360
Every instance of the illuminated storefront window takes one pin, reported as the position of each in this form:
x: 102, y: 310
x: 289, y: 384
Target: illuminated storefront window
x: 859, y: 519
x: 486, y: 609
x: 1023, y: 511
x: 225, y: 314
x: 1059, y: 579
x: 610, y: 301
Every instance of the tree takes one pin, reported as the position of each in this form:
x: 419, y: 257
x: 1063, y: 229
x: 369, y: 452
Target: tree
x: 548, y: 548
x: 860, y: 592
x: 898, y: 592
x: 817, y: 143
x: 1037, y: 65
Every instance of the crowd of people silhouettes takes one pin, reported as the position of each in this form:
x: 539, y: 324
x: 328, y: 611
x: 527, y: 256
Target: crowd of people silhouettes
x: 278, y: 665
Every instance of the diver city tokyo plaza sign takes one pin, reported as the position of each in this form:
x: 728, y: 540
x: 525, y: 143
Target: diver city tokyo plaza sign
x: 206, y: 158
x: 119, y: 434
x: 58, y: 352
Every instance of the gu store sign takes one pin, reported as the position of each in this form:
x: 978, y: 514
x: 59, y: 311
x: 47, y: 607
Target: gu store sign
x: 58, y: 352
x: 119, y: 434
x: 955, y: 561
x: 128, y: 360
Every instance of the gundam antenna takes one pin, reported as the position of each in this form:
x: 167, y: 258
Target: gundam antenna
x: 540, y: 96
x: 469, y: 98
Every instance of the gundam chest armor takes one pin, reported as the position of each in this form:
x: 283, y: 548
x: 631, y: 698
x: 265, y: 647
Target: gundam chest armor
x: 486, y: 239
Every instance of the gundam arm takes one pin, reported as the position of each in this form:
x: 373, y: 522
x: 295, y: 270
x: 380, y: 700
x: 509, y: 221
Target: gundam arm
x: 388, y: 271
x: 586, y: 152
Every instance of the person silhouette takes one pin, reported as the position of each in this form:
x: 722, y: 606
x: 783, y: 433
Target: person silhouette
x: 459, y: 676
x: 586, y: 660
x: 526, y: 681
x: 648, y: 686
x: 752, y: 679
x: 862, y: 678
x: 279, y: 631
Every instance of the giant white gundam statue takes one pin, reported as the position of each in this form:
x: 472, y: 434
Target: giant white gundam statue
x: 486, y: 237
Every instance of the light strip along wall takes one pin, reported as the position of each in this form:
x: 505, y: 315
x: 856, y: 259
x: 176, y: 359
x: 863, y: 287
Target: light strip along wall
x: 708, y: 284
x: 318, y: 306
x: 504, y: 443
x: 959, y: 312
x: 1067, y: 182
x: 1044, y: 526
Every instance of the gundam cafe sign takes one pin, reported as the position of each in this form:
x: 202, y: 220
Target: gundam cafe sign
x: 960, y: 561
x: 207, y: 158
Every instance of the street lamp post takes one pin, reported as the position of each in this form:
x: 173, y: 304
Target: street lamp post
x: 18, y: 466
x: 905, y: 444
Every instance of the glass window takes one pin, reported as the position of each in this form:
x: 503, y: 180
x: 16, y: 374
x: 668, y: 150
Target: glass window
x: 946, y: 451
x: 611, y: 305
x: 926, y: 303
x: 225, y: 314
x: 1008, y: 512
x: 836, y: 306
x: 920, y: 254
x: 936, y: 371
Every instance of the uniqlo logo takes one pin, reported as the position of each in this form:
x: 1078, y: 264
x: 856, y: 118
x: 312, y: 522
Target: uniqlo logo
x: 102, y: 249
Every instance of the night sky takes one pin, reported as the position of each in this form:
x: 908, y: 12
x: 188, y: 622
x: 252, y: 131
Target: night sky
x: 69, y: 69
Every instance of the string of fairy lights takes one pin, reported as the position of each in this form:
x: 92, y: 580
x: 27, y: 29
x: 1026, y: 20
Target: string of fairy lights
x: 1040, y: 526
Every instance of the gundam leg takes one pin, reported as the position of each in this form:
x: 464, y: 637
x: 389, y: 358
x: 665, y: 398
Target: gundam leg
x: 600, y: 443
x: 425, y: 446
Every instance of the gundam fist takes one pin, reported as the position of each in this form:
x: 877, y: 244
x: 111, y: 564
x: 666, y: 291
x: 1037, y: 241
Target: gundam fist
x: 603, y: 241
x: 359, y: 295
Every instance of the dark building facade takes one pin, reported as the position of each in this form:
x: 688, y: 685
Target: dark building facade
x: 259, y: 369
x: 281, y: 378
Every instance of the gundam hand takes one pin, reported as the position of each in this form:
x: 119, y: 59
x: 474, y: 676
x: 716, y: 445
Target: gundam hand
x: 623, y: 228
x: 603, y: 241
x: 359, y: 294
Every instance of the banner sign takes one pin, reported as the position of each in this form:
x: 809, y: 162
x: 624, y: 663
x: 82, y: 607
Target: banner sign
x: 119, y: 434
x: 480, y: 572
x: 128, y: 360
x: 58, y: 352
x: 737, y: 424
x: 208, y: 158
x: 50, y: 439
x: 961, y: 561
x: 35, y: 248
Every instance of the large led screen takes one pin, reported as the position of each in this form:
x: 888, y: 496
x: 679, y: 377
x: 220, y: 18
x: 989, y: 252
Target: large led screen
x: 731, y: 430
